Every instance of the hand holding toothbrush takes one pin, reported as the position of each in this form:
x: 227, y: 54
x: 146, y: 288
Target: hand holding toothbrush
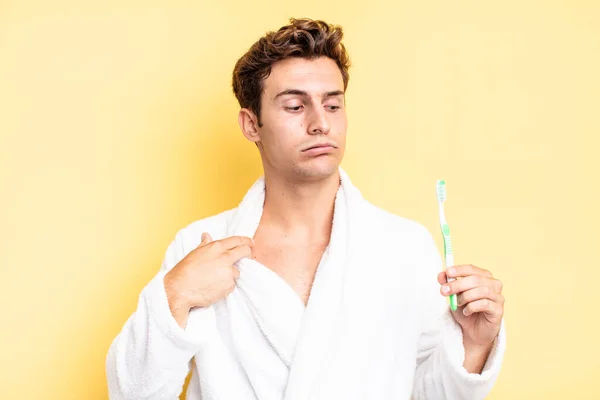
x: 480, y: 303
x: 475, y: 298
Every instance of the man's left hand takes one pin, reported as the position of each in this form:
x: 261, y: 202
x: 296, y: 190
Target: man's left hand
x: 480, y: 304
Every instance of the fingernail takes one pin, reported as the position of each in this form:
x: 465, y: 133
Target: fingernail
x: 445, y: 289
x: 465, y: 311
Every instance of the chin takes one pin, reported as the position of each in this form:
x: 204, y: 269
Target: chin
x: 317, y: 169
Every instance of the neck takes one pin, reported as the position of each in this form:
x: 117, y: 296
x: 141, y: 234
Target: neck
x: 300, y: 207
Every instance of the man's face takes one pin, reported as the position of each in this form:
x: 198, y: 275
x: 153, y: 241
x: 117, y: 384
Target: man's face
x: 303, y: 106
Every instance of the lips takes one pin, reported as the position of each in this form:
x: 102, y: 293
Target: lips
x: 316, y: 146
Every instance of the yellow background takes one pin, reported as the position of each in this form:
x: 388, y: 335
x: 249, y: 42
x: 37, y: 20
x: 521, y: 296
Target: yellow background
x: 118, y: 127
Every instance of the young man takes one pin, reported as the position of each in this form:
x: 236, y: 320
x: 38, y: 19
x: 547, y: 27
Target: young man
x: 306, y: 290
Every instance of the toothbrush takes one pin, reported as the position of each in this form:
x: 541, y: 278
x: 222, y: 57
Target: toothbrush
x: 448, y: 254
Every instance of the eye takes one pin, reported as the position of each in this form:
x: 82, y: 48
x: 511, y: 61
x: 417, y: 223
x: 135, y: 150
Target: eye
x: 293, y: 109
x: 333, y: 108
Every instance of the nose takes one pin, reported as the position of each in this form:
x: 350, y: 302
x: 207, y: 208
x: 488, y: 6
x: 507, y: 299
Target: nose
x: 319, y: 123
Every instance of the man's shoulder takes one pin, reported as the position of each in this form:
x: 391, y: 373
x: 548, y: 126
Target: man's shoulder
x: 393, y: 223
x: 401, y: 242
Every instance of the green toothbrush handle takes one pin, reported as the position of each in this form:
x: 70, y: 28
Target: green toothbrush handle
x: 453, y: 302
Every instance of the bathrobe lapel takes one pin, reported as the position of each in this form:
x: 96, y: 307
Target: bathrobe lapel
x: 283, y: 346
x: 318, y: 332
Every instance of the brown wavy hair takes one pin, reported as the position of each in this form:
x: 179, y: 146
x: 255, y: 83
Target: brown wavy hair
x: 303, y: 38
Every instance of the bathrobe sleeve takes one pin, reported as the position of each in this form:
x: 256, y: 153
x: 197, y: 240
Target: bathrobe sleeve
x: 151, y: 356
x: 440, y: 373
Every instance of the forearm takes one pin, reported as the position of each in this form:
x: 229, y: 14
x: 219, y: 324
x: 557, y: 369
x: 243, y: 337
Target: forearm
x: 445, y: 369
x: 475, y: 356
x: 177, y: 305
x: 150, y: 357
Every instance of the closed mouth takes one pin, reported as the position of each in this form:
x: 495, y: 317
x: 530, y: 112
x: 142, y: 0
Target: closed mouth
x: 320, y: 145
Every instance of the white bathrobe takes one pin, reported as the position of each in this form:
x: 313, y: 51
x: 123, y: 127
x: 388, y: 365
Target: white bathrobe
x: 375, y: 326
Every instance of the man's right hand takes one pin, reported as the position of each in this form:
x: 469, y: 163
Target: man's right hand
x: 205, y: 275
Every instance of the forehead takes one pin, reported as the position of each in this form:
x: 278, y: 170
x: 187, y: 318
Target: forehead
x: 313, y: 76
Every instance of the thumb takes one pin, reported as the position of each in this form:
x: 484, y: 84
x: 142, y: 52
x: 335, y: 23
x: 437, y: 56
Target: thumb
x: 206, y: 239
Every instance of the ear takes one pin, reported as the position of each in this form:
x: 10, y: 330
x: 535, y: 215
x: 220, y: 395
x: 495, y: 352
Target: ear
x: 249, y: 125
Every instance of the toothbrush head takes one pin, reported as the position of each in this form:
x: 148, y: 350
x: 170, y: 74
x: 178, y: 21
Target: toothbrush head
x: 441, y: 191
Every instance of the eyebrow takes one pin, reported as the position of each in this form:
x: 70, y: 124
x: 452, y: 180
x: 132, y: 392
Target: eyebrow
x: 305, y: 94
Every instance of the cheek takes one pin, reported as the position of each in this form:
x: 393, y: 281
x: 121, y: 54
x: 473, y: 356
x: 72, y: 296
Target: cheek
x: 284, y: 132
x: 286, y: 123
x: 290, y: 128
x: 341, y: 126
x: 284, y: 137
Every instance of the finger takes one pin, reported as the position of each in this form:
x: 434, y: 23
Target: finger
x: 442, y: 278
x: 231, y: 242
x: 233, y: 255
x: 478, y: 293
x: 463, y: 284
x: 486, y: 306
x: 206, y: 239
x: 498, y: 286
x: 466, y: 270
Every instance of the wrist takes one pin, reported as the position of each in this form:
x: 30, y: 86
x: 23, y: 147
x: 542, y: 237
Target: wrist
x: 476, y: 355
x: 477, y: 348
x: 177, y: 302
